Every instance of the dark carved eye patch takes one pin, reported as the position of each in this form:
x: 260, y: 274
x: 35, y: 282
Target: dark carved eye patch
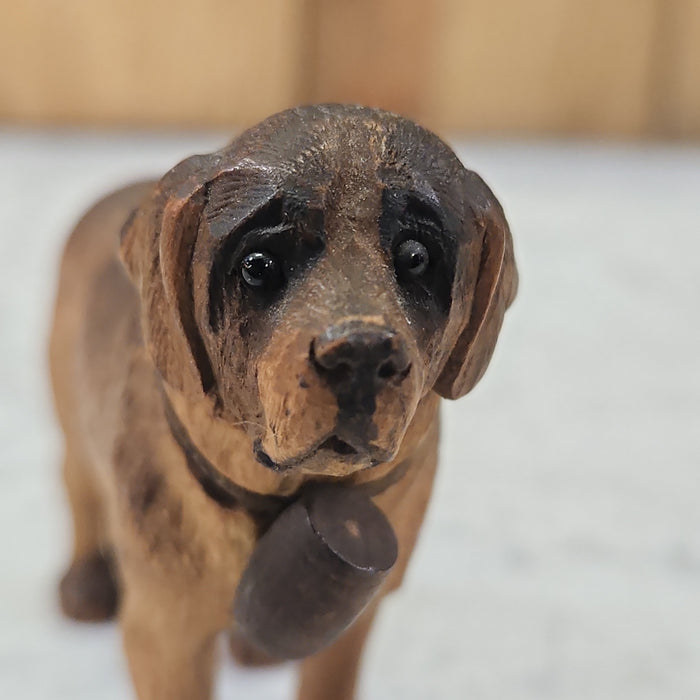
x: 422, y: 248
x: 261, y: 255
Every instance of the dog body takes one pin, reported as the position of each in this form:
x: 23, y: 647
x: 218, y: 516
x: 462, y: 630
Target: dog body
x: 286, y: 311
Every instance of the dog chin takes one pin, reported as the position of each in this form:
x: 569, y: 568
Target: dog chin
x: 323, y: 463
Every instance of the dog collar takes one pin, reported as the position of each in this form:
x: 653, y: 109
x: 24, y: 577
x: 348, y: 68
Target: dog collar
x: 219, y: 487
x: 228, y: 494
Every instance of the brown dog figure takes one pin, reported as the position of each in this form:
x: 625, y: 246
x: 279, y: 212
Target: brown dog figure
x: 247, y: 361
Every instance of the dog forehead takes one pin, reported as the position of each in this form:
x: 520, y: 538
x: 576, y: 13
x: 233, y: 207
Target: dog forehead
x: 326, y: 152
x: 328, y: 140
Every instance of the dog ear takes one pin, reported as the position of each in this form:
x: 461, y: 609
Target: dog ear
x: 496, y: 287
x: 157, y: 245
x: 157, y: 248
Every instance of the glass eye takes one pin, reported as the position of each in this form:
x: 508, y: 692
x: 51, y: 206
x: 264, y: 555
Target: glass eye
x: 261, y: 270
x: 411, y: 259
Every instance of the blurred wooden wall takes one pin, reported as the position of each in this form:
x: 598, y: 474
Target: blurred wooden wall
x: 613, y: 67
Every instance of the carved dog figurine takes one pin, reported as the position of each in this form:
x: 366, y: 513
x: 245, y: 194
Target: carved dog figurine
x: 286, y: 312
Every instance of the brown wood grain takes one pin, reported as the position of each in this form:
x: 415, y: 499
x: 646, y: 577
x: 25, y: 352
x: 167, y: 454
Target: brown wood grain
x: 376, y: 53
x: 223, y: 62
x: 675, y: 105
x: 542, y: 66
x: 626, y: 68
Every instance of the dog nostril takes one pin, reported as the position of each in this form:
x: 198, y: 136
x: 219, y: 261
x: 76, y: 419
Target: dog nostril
x: 386, y: 370
x: 391, y: 370
x: 340, y: 372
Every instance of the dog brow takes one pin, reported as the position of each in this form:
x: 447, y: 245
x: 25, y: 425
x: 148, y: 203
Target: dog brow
x: 402, y: 176
x: 416, y: 204
x: 236, y: 198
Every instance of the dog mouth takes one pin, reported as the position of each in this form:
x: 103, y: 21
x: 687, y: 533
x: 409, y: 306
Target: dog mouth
x: 332, y: 447
x: 338, y: 446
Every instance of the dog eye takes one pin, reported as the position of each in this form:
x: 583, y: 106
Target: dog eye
x: 261, y: 270
x: 411, y: 259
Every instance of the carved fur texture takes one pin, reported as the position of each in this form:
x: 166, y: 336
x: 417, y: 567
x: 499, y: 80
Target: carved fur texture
x: 299, y: 301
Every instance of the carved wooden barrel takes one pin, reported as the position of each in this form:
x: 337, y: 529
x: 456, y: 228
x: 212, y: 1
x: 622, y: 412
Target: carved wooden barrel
x: 313, y: 572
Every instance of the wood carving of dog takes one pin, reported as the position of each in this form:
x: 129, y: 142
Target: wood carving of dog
x: 247, y: 361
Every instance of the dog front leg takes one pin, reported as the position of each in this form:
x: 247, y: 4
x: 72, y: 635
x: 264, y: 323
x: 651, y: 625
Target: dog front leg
x: 170, y: 649
x: 333, y: 672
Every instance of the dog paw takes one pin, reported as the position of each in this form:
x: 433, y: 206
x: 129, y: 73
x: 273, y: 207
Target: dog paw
x: 88, y: 591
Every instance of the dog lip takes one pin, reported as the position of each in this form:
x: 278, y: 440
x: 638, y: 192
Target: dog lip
x: 263, y: 457
x: 331, y: 443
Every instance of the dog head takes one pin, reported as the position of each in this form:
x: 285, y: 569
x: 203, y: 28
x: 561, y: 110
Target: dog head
x: 318, y: 277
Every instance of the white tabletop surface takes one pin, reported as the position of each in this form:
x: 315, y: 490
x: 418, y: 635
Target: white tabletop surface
x: 561, y: 555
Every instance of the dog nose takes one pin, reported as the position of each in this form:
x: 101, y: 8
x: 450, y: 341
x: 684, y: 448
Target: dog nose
x: 360, y: 354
